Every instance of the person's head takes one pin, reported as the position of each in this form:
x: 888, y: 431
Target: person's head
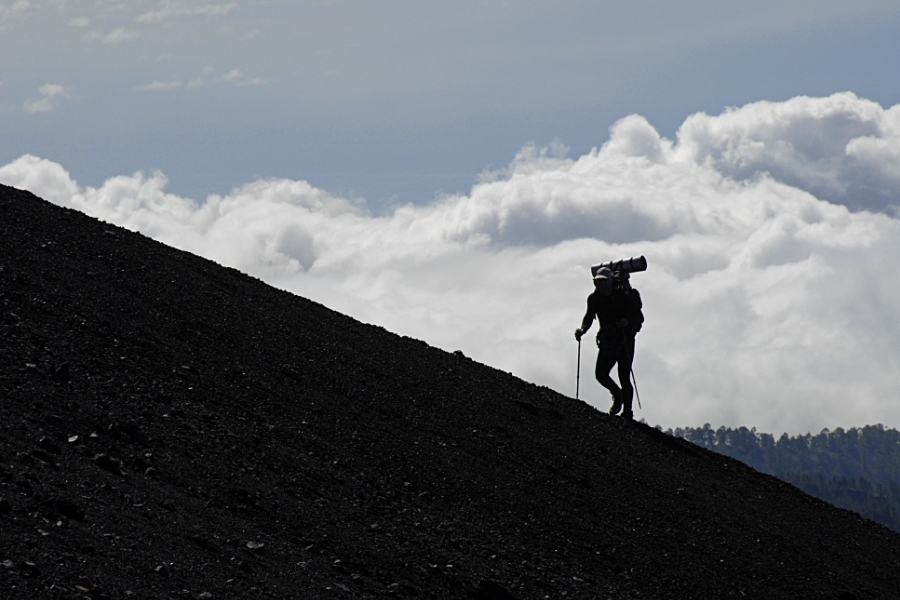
x: 603, y: 280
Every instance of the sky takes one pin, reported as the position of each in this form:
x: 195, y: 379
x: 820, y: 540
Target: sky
x: 451, y: 170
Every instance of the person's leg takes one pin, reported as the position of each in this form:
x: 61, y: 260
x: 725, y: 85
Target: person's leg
x: 625, y: 378
x: 604, y: 366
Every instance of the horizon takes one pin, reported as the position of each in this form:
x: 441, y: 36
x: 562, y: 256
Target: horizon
x: 451, y: 173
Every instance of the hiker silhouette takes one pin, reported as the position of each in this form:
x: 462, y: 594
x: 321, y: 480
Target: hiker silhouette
x: 617, y: 307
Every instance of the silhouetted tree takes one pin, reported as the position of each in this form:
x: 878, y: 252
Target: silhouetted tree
x: 857, y: 469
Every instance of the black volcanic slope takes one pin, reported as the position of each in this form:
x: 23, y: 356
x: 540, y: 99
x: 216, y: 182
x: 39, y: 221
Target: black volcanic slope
x: 170, y: 428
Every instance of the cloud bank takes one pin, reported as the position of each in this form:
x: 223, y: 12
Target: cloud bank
x: 769, y: 298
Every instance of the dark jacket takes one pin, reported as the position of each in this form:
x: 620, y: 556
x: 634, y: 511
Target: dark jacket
x: 608, y: 309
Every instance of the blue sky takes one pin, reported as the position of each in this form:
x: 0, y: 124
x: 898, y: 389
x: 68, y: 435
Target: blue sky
x: 451, y: 170
x: 401, y: 101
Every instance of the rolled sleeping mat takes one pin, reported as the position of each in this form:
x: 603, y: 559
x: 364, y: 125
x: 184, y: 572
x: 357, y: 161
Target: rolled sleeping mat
x: 629, y: 265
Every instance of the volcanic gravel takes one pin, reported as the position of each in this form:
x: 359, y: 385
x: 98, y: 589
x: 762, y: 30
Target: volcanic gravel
x: 170, y: 428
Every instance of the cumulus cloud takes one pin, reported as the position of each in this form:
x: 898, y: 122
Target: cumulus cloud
x: 51, y: 94
x: 174, y: 9
x: 842, y: 148
x: 766, y: 304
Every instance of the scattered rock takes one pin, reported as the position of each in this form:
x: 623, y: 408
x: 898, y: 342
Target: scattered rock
x: 28, y: 568
x: 34, y: 369
x: 5, y: 506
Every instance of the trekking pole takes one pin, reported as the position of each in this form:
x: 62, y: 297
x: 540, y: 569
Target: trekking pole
x: 631, y: 370
x: 578, y: 375
x: 636, y: 392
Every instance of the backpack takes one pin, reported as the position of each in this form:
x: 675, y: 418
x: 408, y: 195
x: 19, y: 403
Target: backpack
x: 639, y: 314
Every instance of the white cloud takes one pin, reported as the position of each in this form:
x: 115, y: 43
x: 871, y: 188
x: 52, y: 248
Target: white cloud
x: 840, y: 148
x: 237, y: 77
x: 51, y: 94
x: 14, y: 10
x: 14, y: 14
x: 765, y: 304
x: 160, y: 86
x: 173, y: 9
x: 120, y: 35
x: 79, y: 22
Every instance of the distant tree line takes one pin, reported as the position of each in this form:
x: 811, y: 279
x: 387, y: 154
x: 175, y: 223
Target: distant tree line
x: 857, y: 469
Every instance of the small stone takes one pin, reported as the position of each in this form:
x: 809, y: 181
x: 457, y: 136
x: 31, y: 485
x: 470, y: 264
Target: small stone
x: 33, y: 368
x: 204, y: 596
x: 255, y: 545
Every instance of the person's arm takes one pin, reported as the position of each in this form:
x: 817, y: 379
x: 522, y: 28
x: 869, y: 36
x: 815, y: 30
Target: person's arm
x: 586, y: 321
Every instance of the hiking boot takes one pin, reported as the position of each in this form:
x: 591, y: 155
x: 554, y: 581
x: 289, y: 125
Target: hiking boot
x: 628, y: 414
x: 617, y: 405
